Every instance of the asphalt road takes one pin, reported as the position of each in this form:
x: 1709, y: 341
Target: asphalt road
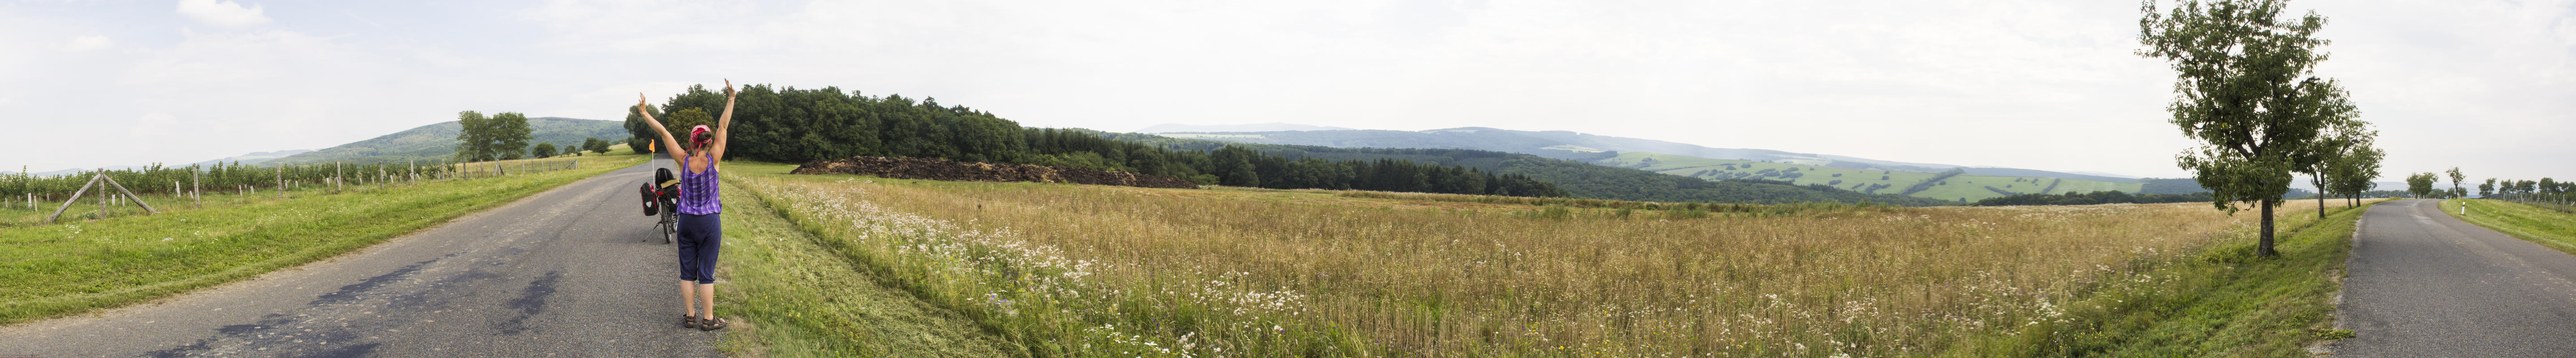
x: 2425, y: 284
x: 576, y: 271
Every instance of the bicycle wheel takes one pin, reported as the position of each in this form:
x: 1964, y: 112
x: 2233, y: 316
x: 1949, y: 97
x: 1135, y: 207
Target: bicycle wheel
x: 670, y: 227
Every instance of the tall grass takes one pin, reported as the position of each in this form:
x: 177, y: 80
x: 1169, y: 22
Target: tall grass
x: 1107, y: 271
x: 80, y: 265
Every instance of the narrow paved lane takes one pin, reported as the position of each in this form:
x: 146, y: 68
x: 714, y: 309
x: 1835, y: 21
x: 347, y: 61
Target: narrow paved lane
x: 575, y: 271
x: 2425, y: 284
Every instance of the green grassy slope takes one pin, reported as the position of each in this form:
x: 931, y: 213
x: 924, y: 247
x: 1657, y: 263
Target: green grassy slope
x: 2223, y: 302
x: 438, y: 141
x: 1967, y: 187
x: 2551, y: 228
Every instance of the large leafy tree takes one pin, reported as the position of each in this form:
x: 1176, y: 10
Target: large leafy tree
x: 471, y: 138
x: 2348, y: 155
x: 2245, y: 90
x: 508, y: 136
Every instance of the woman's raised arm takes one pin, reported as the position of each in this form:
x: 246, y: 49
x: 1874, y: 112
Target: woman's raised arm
x: 717, y: 147
x: 669, y: 145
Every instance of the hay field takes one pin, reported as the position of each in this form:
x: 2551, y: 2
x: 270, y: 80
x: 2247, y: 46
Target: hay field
x: 1075, y: 270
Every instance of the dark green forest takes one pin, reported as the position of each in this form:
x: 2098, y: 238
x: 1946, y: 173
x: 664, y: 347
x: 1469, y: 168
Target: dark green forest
x: 798, y: 125
x: 787, y: 124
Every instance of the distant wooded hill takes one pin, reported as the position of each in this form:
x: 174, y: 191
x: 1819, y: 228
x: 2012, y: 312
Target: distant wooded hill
x: 1580, y: 146
x: 1866, y: 176
x: 1576, y: 177
x: 798, y: 125
x: 438, y: 141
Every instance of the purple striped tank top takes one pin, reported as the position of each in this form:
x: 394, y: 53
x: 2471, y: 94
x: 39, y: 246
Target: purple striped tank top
x: 698, y: 190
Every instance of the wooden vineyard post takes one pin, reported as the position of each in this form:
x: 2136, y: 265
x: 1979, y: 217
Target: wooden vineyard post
x: 335, y: 177
x: 67, y: 203
x: 415, y: 170
x: 129, y: 195
x: 102, y: 200
x: 281, y: 182
x: 199, y: 192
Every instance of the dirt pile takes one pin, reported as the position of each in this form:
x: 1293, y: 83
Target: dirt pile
x: 941, y: 169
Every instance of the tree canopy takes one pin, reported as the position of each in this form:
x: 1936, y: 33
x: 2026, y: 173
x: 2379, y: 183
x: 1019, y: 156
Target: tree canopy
x: 2245, y: 90
x: 499, y: 137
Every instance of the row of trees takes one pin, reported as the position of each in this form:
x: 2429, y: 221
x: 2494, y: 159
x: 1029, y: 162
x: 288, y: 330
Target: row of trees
x: 546, y: 150
x: 798, y: 125
x: 502, y: 136
x: 595, y: 145
x: 2246, y: 90
x: 2098, y: 197
x: 2525, y: 187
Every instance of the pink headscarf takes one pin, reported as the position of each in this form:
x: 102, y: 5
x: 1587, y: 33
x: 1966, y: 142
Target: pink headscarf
x: 697, y: 137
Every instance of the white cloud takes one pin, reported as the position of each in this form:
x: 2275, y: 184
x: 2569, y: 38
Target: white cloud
x: 222, y: 13
x: 154, y: 127
x: 87, y: 43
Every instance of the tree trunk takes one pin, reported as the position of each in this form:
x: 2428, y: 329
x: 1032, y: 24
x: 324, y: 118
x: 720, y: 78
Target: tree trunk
x: 2320, y: 181
x: 2263, y: 248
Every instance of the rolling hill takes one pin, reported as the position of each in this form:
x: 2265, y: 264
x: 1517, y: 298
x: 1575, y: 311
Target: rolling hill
x: 1586, y: 147
x: 1862, y: 175
x: 1576, y: 177
x: 1962, y: 187
x: 438, y: 141
x: 1255, y: 127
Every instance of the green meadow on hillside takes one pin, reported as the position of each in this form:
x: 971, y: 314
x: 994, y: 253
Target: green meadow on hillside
x: 1961, y: 187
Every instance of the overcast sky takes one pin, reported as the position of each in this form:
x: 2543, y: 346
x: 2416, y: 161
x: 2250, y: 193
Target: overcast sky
x: 2484, y: 85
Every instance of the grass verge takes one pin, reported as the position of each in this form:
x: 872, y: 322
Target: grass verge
x: 2551, y: 228
x: 2224, y: 302
x: 800, y: 299
x: 73, y: 267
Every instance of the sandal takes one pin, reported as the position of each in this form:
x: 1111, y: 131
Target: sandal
x: 688, y: 321
x: 711, y: 324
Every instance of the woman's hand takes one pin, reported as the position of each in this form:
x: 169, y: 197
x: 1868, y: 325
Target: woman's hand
x: 639, y: 102
x: 728, y: 86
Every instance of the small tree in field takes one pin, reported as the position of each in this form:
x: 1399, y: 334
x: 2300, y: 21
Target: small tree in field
x: 2456, y: 191
x: 2353, y: 171
x: 2347, y: 154
x: 2420, y: 184
x: 2244, y: 89
x: 544, y: 150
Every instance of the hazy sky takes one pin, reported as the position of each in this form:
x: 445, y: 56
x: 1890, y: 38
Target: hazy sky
x: 2485, y: 85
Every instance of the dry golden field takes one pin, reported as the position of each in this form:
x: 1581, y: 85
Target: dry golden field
x: 1116, y: 271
